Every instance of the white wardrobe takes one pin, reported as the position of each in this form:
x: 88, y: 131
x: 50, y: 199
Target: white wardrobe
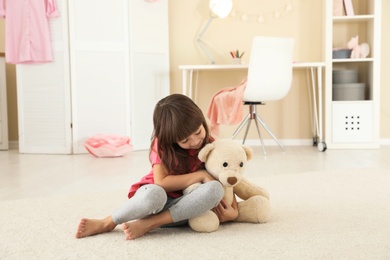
x: 111, y: 65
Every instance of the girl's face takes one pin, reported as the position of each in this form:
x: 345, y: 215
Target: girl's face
x: 195, y: 140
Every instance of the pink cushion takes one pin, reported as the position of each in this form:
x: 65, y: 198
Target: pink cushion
x: 108, y: 145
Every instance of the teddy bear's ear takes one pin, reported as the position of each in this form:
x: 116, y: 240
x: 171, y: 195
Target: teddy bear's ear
x: 249, y: 152
x: 204, y: 153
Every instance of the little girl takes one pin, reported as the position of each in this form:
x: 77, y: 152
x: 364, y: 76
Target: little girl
x: 180, y: 131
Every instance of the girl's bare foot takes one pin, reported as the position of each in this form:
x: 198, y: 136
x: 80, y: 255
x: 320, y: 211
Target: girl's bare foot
x: 89, y: 227
x: 135, y: 229
x: 140, y: 227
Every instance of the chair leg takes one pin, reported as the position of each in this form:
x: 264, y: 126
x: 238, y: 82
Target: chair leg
x: 261, y: 138
x: 269, y: 131
x: 247, y: 121
x: 252, y: 115
x: 241, y: 126
x: 247, y: 130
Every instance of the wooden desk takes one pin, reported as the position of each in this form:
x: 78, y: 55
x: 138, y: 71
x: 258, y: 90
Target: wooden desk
x: 315, y: 69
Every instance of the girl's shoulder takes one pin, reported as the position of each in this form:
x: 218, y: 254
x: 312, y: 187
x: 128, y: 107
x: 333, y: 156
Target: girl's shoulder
x: 153, y: 153
x: 154, y: 144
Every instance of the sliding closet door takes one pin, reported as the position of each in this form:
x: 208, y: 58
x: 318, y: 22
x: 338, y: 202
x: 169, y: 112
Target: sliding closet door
x: 149, y: 55
x: 111, y: 66
x: 44, y: 96
x: 99, y: 61
x: 119, y: 67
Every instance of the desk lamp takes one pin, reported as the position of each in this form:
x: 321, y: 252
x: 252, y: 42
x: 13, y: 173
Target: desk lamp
x: 218, y: 8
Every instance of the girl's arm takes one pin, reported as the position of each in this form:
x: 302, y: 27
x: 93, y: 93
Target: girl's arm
x: 178, y: 182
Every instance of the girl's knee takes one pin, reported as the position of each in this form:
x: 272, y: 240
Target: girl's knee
x: 151, y: 190
x: 217, y: 190
x: 156, y: 197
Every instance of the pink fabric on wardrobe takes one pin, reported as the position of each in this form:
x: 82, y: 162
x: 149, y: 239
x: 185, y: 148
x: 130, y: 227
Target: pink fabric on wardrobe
x: 27, y: 30
x: 226, y: 107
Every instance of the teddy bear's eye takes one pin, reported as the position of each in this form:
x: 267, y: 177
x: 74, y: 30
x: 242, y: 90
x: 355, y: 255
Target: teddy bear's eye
x: 241, y: 164
x: 225, y: 164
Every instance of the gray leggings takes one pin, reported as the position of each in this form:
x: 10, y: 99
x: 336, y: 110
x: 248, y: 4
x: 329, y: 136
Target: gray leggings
x: 152, y: 199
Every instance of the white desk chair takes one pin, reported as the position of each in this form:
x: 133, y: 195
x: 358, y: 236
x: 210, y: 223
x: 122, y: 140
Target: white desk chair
x: 269, y: 79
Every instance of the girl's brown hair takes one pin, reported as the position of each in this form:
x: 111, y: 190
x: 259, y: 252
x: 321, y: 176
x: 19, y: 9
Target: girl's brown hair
x: 175, y: 118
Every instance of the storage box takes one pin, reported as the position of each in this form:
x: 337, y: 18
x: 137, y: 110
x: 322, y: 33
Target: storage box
x: 348, y: 91
x: 352, y: 122
x: 344, y: 76
x: 341, y: 54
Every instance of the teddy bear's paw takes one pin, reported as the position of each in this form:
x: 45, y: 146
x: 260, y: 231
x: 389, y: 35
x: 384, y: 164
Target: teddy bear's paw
x: 245, y: 190
x: 207, y: 222
x: 256, y: 209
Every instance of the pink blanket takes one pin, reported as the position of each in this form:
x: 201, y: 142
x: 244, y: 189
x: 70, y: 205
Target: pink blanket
x: 226, y: 107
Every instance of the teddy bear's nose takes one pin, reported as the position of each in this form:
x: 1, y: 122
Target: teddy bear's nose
x: 232, y: 180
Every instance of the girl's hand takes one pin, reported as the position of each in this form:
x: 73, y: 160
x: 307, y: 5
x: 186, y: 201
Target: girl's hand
x: 178, y: 182
x: 225, y: 211
x: 206, y: 176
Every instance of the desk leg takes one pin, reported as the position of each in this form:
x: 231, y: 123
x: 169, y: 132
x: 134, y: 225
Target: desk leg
x: 319, y: 82
x: 315, y: 112
x: 184, y: 83
x: 321, y: 145
x: 184, y: 90
x: 190, y: 91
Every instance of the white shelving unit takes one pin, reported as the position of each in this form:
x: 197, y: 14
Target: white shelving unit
x: 353, y: 123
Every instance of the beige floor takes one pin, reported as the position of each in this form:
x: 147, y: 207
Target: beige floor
x: 31, y: 175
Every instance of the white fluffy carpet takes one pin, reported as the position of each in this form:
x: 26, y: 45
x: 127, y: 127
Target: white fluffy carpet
x: 327, y: 215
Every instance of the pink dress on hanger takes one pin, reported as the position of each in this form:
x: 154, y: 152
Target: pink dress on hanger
x: 27, y: 32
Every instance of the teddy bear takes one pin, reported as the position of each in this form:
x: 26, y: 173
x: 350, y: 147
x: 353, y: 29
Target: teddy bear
x: 225, y: 160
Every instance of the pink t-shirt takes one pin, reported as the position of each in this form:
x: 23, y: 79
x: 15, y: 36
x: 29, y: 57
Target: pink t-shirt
x: 27, y: 30
x: 149, y: 178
